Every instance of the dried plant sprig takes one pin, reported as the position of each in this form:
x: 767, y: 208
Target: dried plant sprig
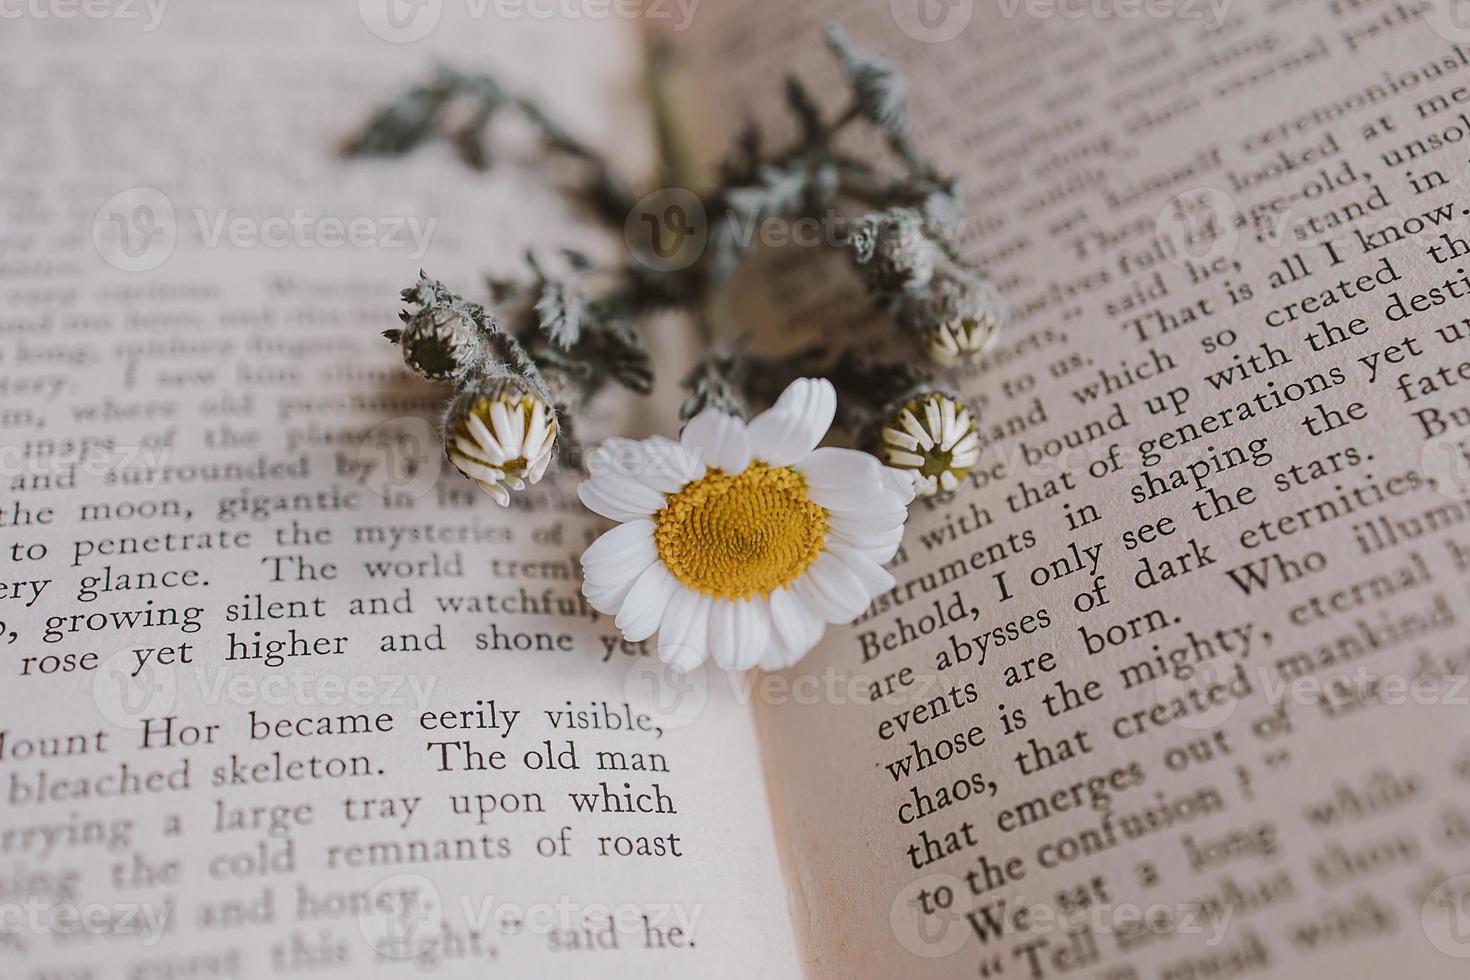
x: 718, y: 381
x: 881, y: 92
x: 448, y: 338
x: 503, y: 424
x: 424, y: 113
x: 952, y: 310
x: 572, y: 327
x: 585, y: 321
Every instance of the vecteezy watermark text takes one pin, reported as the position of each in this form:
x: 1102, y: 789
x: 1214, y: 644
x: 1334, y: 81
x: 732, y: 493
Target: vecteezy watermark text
x: 149, y: 13
x: 1212, y: 12
x: 406, y: 21
x: 301, y: 229
x: 136, y: 230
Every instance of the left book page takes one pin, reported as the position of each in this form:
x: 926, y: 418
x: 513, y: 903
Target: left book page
x: 283, y: 694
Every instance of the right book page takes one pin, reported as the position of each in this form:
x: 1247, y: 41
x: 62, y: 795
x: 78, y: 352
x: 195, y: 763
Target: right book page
x: 1174, y: 686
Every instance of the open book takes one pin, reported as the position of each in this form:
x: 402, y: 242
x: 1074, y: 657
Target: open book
x: 1174, y: 687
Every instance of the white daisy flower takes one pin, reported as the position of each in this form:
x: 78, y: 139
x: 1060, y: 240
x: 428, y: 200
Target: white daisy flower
x: 502, y: 438
x: 933, y: 437
x: 742, y: 542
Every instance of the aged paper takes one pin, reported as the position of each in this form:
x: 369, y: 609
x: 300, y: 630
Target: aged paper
x: 284, y: 695
x: 1175, y: 686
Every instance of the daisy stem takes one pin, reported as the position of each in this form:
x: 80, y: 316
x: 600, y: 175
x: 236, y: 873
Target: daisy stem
x: 663, y: 82
x: 677, y: 159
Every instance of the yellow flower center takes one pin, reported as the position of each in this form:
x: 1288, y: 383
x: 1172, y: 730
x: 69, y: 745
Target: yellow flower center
x: 734, y: 537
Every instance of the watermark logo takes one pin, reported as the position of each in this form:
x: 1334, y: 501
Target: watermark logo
x: 400, y: 21
x: 924, y: 918
x: 674, y: 699
x: 1200, y: 225
x: 1445, y: 461
x: 135, y: 230
x: 1450, y: 19
x: 932, y: 21
x: 1215, y: 682
x: 668, y: 229
x: 127, y: 689
x: 1445, y: 916
x: 403, y: 917
x: 671, y: 228
x: 401, y: 457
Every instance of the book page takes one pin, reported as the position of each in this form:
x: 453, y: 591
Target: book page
x: 285, y: 695
x: 1174, y: 687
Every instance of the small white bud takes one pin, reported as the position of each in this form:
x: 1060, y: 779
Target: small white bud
x: 934, y: 437
x: 502, y: 436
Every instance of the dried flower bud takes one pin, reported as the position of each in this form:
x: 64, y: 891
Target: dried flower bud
x: 956, y: 319
x: 440, y: 342
x: 893, y: 251
x: 934, y: 437
x: 963, y: 338
x: 501, y: 435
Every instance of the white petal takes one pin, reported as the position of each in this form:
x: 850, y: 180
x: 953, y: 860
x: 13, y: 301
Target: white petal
x: 606, y: 599
x: 949, y: 431
x: 833, y: 467
x: 539, y: 463
x: 683, y: 637
x: 875, y: 578
x: 717, y: 440
x: 934, y: 416
x: 916, y: 429
x: 882, y: 513
x: 778, y: 655
x: 644, y: 607
x: 620, y: 554
x: 832, y: 590
x: 755, y: 632
x: 667, y: 466
x: 814, y: 397
x: 880, y: 546
x: 476, y: 470
x: 621, y: 498
x: 901, y: 481
x: 488, y: 446
x: 739, y: 632
x: 897, y: 437
x: 508, y: 428
x: 851, y: 497
x: 536, y: 432
x: 795, y: 424
x: 797, y: 627
x: 659, y: 463
x: 968, y: 446
x: 683, y: 659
